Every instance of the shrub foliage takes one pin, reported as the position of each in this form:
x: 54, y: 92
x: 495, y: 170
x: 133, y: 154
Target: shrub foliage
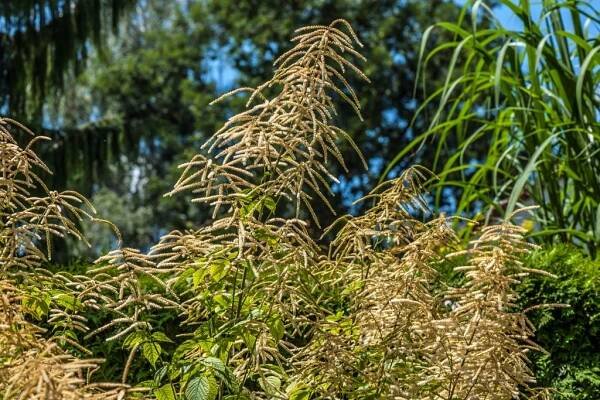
x: 570, y: 334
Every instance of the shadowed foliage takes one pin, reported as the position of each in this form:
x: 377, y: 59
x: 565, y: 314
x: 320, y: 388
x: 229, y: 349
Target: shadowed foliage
x: 43, y: 40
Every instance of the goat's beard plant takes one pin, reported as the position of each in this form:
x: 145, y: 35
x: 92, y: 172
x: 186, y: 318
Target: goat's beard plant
x: 278, y: 319
x: 35, y: 363
x: 266, y: 313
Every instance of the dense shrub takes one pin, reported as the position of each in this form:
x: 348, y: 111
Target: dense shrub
x: 571, y: 336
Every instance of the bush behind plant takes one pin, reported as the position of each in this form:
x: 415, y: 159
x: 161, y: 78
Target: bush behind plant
x: 571, y: 336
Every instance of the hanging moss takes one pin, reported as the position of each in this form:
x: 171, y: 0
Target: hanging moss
x: 79, y: 157
x: 42, y: 40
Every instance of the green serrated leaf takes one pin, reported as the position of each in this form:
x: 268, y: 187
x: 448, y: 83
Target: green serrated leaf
x: 218, y: 269
x: 160, y: 374
x: 269, y: 203
x: 161, y: 337
x: 221, y: 300
x: 197, y: 277
x: 166, y: 392
x: 202, y: 388
x: 297, y: 391
x: 271, y: 384
x: 174, y: 372
x: 151, y: 352
x: 67, y: 301
x: 37, y: 306
x: 146, y: 384
x: 276, y: 328
x: 249, y: 340
x: 214, y: 363
x: 301, y: 394
x: 353, y: 287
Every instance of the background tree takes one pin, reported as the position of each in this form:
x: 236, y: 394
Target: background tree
x: 150, y: 104
x: 42, y: 40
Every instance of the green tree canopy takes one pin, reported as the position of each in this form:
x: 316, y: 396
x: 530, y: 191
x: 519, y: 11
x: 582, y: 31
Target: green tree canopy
x: 147, y: 108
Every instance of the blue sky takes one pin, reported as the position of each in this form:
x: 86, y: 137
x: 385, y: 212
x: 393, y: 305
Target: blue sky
x: 224, y: 74
x: 510, y: 21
